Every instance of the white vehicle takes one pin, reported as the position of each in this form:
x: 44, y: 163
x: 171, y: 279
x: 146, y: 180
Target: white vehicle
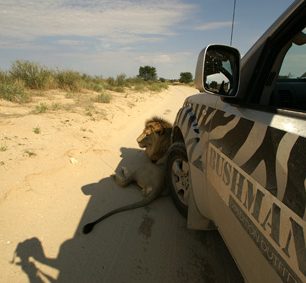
x: 238, y: 156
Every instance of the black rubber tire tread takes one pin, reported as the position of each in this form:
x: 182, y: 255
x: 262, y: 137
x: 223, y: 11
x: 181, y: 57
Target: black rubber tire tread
x: 176, y: 150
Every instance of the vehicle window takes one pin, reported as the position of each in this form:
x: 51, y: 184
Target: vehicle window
x: 290, y: 87
x: 294, y: 64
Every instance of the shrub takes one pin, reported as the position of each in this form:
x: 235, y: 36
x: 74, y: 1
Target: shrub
x: 69, y: 80
x: 33, y: 75
x: 14, y: 91
x: 157, y: 86
x: 110, y: 81
x: 121, y: 80
x: 4, y: 77
x: 117, y: 84
x: 104, y: 98
x: 41, y: 108
x: 140, y: 87
x: 56, y: 106
x: 94, y: 86
x: 118, y: 89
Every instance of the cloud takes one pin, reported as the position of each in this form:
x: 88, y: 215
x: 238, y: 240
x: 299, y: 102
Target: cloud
x: 94, y: 36
x: 214, y: 25
x: 119, y: 22
x: 162, y: 58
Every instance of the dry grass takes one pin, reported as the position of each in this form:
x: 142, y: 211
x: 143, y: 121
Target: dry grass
x: 26, y: 79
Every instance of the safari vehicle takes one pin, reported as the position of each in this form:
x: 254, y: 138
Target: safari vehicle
x: 238, y: 156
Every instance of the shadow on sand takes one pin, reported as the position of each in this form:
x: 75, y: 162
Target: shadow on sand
x: 145, y: 245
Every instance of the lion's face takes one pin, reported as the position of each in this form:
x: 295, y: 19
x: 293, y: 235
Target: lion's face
x: 155, y: 138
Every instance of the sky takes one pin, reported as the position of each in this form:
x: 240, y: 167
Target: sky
x: 111, y: 37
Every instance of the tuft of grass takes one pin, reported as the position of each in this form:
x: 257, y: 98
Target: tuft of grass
x: 5, y: 77
x: 157, y: 86
x: 70, y: 94
x: 94, y: 86
x: 41, y: 108
x: 33, y: 75
x: 140, y: 88
x: 55, y: 106
x: 3, y: 148
x: 118, y: 84
x: 103, y: 98
x: 37, y: 130
x: 69, y: 80
x: 116, y: 88
x: 121, y: 80
x: 14, y: 91
x: 89, y: 110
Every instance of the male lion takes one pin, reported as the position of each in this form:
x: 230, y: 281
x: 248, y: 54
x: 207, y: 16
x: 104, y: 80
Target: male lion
x: 155, y: 138
x: 149, y: 176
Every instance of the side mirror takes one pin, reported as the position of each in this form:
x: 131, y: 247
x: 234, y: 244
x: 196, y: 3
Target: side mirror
x: 218, y: 70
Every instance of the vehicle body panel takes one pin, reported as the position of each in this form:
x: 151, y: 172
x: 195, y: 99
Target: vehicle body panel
x: 248, y: 170
x: 262, y: 183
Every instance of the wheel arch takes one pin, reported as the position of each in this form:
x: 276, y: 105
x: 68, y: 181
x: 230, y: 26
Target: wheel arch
x: 195, y: 220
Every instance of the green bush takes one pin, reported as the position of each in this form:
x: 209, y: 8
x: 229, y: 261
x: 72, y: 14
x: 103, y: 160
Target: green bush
x: 121, y: 80
x: 140, y: 87
x: 33, y: 75
x: 41, y: 108
x: 69, y: 80
x: 117, y: 84
x: 5, y: 77
x: 14, y: 91
x: 103, y: 98
x: 157, y: 86
x: 110, y: 81
x: 94, y: 86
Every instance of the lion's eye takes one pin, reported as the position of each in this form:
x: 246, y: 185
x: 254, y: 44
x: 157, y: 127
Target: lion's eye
x: 159, y: 132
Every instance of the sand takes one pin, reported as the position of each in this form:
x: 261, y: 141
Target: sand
x: 49, y: 157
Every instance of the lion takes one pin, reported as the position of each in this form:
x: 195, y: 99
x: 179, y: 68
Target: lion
x: 150, y: 175
x: 155, y: 138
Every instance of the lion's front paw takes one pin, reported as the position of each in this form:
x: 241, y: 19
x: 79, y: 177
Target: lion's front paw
x: 147, y: 191
x: 121, y: 179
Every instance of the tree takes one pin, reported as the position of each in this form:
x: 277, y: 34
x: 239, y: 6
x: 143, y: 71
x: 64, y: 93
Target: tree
x: 185, y: 77
x: 147, y: 73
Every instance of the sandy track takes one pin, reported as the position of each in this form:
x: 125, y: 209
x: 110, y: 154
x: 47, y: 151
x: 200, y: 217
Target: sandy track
x: 54, y: 181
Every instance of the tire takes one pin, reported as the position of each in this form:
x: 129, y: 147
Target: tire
x: 178, y: 176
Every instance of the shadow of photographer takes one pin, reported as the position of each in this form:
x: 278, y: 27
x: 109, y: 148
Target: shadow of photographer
x: 78, y: 257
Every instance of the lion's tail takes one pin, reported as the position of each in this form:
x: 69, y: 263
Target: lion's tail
x: 151, y: 197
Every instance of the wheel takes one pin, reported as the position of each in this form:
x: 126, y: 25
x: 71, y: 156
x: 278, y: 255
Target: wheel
x: 178, y: 176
